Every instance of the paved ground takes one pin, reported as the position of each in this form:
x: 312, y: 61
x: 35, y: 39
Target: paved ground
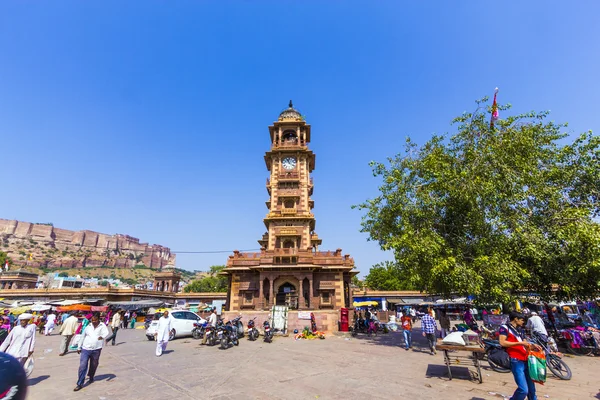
x: 334, y: 368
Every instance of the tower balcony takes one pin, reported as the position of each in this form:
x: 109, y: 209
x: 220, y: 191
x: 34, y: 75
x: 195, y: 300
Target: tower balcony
x: 289, y: 176
x: 292, y: 145
x: 288, y: 193
x: 285, y: 252
x: 288, y: 211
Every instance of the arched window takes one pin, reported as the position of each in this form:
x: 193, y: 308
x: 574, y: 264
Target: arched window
x: 290, y: 137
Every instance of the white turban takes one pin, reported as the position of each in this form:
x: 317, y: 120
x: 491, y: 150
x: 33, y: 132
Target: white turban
x: 25, y: 316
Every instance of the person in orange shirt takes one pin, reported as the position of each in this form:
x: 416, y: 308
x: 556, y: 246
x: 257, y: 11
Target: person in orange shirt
x: 406, y: 323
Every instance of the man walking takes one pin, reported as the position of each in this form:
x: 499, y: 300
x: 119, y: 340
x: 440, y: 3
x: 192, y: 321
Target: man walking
x: 67, y: 330
x: 90, y: 348
x: 125, y: 319
x: 428, y: 326
x: 444, y: 324
x: 163, y: 331
x: 406, y: 322
x: 212, y: 321
x: 517, y: 348
x: 20, y: 342
x: 116, y: 322
x: 50, y: 323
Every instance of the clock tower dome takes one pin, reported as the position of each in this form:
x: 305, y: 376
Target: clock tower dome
x: 289, y: 270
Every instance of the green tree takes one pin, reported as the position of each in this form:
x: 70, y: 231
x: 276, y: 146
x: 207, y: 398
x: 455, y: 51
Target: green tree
x: 493, y: 210
x: 63, y: 274
x: 356, y: 281
x: 215, y: 269
x: 387, y: 276
x: 212, y: 283
x: 3, y: 258
x: 207, y: 284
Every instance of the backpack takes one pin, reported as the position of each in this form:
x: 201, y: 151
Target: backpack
x: 499, y: 357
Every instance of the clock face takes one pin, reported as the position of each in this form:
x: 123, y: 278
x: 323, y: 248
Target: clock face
x: 288, y: 163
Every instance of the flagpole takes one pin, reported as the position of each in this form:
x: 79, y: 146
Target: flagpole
x: 495, y: 114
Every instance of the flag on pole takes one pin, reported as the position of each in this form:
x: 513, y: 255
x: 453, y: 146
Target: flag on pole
x: 495, y: 113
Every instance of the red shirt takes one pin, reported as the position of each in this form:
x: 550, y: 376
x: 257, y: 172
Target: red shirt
x: 406, y: 322
x: 518, y: 352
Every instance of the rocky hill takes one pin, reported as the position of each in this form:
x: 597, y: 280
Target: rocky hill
x: 44, y: 246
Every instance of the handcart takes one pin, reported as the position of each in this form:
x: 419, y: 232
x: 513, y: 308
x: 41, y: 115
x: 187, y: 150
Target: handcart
x: 455, y: 355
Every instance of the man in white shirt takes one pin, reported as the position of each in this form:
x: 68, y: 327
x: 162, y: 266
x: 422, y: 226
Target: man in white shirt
x: 212, y: 321
x: 50, y: 323
x: 115, y: 323
x: 163, y: 331
x: 67, y: 330
x: 90, y: 347
x: 536, y: 324
x: 20, y: 342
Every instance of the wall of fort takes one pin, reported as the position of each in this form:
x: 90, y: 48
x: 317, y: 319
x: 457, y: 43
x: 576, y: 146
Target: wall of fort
x: 42, y: 245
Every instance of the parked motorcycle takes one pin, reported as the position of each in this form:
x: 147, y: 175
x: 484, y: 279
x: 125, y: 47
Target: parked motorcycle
x: 229, y: 333
x: 211, y: 335
x: 268, y: 332
x: 252, y: 331
x: 199, y: 329
x: 359, y: 327
x: 555, y: 364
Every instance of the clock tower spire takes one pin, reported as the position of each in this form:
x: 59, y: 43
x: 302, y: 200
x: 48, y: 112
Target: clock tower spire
x: 290, y: 270
x: 290, y: 223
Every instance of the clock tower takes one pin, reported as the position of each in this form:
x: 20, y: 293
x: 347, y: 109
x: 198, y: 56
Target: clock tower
x: 289, y: 270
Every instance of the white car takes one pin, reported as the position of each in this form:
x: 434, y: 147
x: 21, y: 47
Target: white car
x: 182, y: 324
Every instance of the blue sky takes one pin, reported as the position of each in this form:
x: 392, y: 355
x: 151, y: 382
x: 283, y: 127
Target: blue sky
x: 150, y: 117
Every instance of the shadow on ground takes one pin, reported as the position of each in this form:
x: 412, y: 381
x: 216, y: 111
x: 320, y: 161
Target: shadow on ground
x: 395, y: 339
x: 36, y: 380
x: 107, y: 377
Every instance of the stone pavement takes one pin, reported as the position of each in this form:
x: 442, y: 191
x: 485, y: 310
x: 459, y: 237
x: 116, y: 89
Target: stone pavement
x: 335, y: 368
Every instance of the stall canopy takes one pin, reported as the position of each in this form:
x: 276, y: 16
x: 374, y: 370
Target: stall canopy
x: 66, y: 302
x: 135, y: 305
x: 364, y: 303
x: 407, y: 302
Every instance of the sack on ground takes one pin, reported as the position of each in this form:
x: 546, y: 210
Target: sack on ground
x: 536, y: 363
x: 500, y: 358
x: 29, y: 363
x: 454, y: 338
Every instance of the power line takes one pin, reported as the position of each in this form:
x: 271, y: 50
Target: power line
x: 210, y: 252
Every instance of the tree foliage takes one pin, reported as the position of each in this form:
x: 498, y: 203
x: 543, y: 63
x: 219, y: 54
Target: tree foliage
x: 388, y: 276
x: 3, y: 257
x: 493, y: 210
x: 211, y: 283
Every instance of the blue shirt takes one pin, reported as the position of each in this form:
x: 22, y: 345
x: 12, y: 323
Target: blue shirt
x: 428, y: 324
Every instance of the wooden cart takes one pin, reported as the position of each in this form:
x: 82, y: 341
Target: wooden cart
x: 458, y: 357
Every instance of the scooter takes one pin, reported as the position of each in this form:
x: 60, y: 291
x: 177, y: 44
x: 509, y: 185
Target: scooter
x: 268, y: 333
x: 252, y: 331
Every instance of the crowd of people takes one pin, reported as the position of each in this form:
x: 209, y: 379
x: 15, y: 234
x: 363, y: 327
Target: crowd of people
x: 84, y: 332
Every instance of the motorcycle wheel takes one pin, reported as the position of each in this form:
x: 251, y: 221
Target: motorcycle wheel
x: 558, y: 367
x: 224, y: 343
x: 211, y: 340
x: 235, y: 342
x: 354, y: 333
x: 196, y: 334
x: 498, y: 368
x: 255, y: 334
